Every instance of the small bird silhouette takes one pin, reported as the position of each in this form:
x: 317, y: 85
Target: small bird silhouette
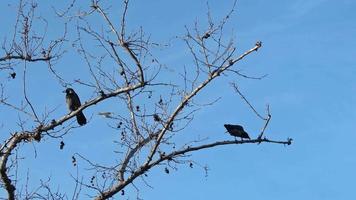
x: 236, y: 131
x: 106, y: 114
x: 73, y: 103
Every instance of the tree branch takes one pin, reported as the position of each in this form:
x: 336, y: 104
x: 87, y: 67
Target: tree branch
x: 116, y: 188
x: 212, y: 76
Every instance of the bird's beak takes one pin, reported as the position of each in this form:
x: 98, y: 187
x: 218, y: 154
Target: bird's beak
x: 64, y: 91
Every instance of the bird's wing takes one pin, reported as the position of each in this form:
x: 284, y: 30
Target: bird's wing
x: 76, y: 100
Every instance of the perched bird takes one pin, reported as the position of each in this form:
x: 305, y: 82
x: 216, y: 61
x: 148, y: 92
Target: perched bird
x: 73, y: 103
x: 236, y: 131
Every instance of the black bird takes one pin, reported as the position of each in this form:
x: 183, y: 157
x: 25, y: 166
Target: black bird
x: 236, y: 131
x: 73, y: 103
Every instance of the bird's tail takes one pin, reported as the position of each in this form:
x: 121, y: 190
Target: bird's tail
x: 81, y: 119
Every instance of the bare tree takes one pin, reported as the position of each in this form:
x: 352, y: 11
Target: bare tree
x: 120, y: 65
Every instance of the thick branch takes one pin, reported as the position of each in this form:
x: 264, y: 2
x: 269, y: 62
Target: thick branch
x: 220, y: 143
x: 9, y: 187
x: 25, y: 58
x: 116, y: 188
x: 132, y: 152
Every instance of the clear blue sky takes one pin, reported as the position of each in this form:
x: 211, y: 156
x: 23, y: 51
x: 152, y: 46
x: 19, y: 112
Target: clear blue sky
x: 308, y: 53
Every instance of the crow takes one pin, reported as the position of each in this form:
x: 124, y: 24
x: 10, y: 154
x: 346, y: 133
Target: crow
x: 236, y: 131
x: 73, y: 103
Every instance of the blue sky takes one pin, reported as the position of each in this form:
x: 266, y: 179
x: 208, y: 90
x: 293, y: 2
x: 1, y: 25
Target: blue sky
x: 308, y: 54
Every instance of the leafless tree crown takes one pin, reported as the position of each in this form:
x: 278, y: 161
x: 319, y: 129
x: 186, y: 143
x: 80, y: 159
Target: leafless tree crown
x: 121, y: 67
